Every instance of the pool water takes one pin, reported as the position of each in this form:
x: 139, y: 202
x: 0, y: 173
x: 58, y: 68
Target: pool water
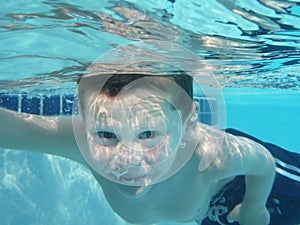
x: 251, y: 46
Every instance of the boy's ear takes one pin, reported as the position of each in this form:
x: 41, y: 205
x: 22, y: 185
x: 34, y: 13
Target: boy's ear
x: 193, y: 117
x: 195, y: 107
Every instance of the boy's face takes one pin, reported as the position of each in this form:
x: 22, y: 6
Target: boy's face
x: 133, y: 137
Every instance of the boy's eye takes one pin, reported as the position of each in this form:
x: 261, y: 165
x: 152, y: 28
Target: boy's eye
x: 147, y: 135
x: 107, y: 138
x: 107, y: 135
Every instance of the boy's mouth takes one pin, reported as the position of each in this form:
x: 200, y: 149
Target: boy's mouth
x: 131, y: 176
x: 132, y: 180
x: 127, y: 174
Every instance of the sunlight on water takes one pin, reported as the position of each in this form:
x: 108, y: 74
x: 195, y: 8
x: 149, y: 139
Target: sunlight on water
x: 241, y: 41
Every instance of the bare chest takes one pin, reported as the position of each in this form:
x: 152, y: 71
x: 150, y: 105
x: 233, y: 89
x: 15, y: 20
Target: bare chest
x: 184, y: 197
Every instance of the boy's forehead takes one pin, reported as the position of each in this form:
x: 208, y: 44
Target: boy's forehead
x: 129, y: 102
x: 106, y: 111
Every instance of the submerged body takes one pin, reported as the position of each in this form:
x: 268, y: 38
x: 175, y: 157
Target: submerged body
x: 184, y: 197
x: 155, y: 162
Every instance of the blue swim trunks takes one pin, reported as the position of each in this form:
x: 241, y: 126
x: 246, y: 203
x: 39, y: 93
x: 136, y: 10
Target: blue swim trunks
x: 284, y: 200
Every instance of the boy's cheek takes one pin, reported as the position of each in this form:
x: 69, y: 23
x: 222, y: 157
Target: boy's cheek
x: 99, y: 153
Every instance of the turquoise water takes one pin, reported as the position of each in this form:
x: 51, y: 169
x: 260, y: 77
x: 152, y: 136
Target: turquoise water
x: 251, y: 46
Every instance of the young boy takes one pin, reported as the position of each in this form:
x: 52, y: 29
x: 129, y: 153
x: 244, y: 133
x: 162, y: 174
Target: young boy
x: 139, y: 135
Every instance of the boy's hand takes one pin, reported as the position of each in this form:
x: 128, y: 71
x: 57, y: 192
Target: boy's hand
x: 246, y: 216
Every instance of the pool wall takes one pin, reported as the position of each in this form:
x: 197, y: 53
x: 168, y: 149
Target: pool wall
x: 270, y: 114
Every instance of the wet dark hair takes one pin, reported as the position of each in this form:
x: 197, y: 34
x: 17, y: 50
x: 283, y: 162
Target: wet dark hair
x: 117, y: 82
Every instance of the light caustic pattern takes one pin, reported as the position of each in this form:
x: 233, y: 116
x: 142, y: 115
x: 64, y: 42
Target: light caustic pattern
x: 141, y: 135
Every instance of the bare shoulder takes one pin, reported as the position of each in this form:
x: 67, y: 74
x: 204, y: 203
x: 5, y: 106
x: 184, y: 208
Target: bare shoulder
x: 224, y: 155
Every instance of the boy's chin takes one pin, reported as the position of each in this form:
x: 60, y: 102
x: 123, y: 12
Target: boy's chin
x: 133, y: 191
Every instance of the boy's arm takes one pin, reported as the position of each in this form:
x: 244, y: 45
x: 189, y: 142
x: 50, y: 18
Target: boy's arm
x: 52, y: 135
x: 241, y: 156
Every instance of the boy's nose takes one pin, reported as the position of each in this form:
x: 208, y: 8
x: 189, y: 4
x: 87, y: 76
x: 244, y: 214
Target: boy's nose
x: 127, y: 163
x: 128, y: 155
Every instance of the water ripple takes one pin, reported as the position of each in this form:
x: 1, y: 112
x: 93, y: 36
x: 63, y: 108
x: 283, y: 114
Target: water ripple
x: 242, y: 41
